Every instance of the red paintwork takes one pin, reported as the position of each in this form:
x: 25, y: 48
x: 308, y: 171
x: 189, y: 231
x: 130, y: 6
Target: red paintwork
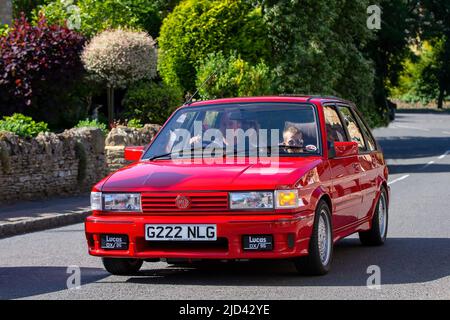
x: 346, y: 149
x: 350, y: 182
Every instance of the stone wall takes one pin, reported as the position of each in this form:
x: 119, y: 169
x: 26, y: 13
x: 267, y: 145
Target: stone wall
x: 120, y: 137
x: 5, y: 12
x: 50, y: 164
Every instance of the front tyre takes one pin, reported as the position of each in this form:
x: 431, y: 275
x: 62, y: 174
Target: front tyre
x: 318, y: 261
x: 376, y: 235
x: 122, y: 267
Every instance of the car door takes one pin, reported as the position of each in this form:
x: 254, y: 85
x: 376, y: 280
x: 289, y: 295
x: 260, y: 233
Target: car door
x: 373, y: 164
x: 346, y: 190
x: 365, y: 160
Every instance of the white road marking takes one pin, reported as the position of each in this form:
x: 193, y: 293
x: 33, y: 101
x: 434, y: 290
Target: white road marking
x: 410, y: 127
x: 429, y: 163
x: 398, y: 179
x: 445, y: 132
x: 444, y: 155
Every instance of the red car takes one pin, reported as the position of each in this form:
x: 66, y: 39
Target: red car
x: 244, y: 178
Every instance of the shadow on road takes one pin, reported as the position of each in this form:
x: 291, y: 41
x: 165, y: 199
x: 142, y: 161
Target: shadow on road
x: 408, y: 168
x: 20, y: 282
x: 402, y: 261
x: 413, y: 147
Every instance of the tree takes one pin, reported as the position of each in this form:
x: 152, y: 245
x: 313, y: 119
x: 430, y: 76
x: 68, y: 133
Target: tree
x: 197, y: 28
x: 320, y: 47
x: 435, y: 27
x: 232, y: 77
x: 120, y: 57
x: 391, y: 46
x: 419, y: 81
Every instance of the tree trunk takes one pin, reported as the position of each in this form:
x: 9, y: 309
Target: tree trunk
x: 441, y: 98
x: 110, y: 97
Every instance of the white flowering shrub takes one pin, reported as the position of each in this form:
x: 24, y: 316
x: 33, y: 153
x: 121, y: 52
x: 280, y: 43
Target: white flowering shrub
x: 119, y: 57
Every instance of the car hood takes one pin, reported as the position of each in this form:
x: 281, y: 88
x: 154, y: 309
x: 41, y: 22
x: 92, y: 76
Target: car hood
x: 168, y: 175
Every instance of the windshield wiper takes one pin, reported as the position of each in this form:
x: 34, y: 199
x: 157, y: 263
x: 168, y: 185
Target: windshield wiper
x: 179, y: 152
x: 159, y: 156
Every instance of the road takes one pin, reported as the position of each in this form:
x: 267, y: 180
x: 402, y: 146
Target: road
x: 414, y: 263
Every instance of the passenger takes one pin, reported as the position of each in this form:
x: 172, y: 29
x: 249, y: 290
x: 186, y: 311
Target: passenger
x: 292, y: 138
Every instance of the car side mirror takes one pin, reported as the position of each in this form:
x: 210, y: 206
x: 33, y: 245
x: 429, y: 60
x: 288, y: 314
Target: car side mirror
x: 133, y: 153
x: 345, y: 149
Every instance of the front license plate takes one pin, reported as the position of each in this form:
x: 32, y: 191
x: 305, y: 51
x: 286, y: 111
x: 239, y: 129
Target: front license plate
x: 257, y: 242
x: 181, y: 232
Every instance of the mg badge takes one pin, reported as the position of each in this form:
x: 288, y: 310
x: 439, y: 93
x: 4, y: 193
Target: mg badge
x: 182, y: 202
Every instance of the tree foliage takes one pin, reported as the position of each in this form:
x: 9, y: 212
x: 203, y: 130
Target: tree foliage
x: 232, y: 77
x: 95, y: 16
x: 436, y: 29
x: 319, y: 47
x: 197, y: 28
x: 26, y: 7
x: 419, y: 81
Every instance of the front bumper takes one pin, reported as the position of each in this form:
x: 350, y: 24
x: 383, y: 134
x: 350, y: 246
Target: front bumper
x: 291, y: 235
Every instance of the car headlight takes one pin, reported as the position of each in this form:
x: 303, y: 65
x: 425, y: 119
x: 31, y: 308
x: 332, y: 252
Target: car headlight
x: 123, y: 202
x: 251, y: 200
x: 287, y: 199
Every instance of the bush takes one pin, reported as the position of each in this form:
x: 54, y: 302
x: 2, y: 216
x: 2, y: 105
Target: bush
x: 4, y: 29
x: 198, y: 27
x: 34, y: 58
x: 22, y: 125
x: 135, y: 123
x: 151, y: 102
x: 233, y: 77
x: 87, y: 123
x: 93, y: 16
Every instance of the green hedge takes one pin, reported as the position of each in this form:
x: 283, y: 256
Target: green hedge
x: 151, y: 102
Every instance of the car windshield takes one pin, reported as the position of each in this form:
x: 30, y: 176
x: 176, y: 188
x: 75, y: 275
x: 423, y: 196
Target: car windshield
x: 238, y: 129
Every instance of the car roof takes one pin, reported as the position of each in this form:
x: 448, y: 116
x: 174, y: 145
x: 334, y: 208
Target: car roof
x: 316, y: 99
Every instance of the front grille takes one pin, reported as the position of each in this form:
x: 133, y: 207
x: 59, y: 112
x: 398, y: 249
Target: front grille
x: 199, y: 202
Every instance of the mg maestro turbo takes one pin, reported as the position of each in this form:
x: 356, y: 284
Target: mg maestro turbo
x: 244, y: 178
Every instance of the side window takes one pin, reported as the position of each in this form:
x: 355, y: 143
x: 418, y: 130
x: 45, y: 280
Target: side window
x: 335, y: 130
x: 210, y: 119
x: 353, y: 127
x: 369, y: 138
